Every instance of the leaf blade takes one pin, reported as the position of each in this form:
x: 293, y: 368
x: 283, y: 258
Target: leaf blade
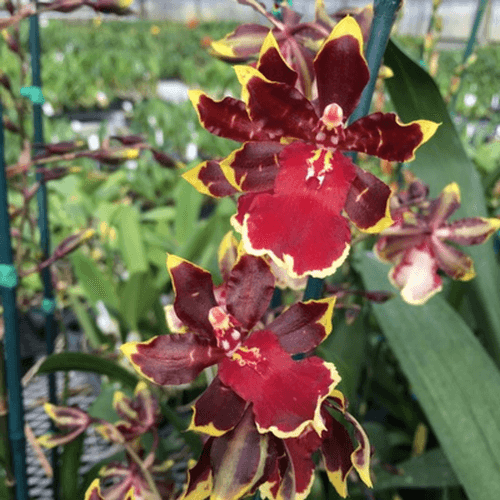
x: 446, y: 365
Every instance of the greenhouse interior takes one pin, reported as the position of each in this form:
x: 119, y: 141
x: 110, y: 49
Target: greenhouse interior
x: 150, y: 153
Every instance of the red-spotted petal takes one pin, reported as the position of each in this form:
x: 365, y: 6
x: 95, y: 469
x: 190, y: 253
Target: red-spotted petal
x: 227, y: 118
x: 272, y: 64
x: 469, y: 231
x: 304, y: 325
x: 341, y: 69
x: 200, y: 479
x: 299, y: 233
x: 253, y: 167
x: 367, y: 203
x: 416, y: 274
x: 172, y: 359
x: 383, y: 135
x: 278, y: 108
x: 263, y: 373
x: 194, y: 296
x: 209, y: 179
x: 218, y: 410
x: 250, y: 288
x: 238, y: 459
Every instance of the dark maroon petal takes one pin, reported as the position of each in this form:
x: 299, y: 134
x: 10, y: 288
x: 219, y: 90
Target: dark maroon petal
x: 383, y: 135
x: 300, y: 452
x: 336, y: 450
x: 304, y: 326
x: 254, y: 166
x: 249, y: 290
x: 218, y: 410
x: 341, y: 69
x: 194, y: 295
x: 272, y: 65
x: 172, y: 359
x: 227, y: 118
x: 279, y: 109
x: 367, y: 203
x: 209, y: 179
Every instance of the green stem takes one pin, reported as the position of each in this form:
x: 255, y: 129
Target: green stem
x: 145, y: 472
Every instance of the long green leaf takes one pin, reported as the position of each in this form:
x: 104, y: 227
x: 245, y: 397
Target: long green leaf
x: 97, y: 283
x: 87, y: 363
x: 454, y: 379
x: 130, y: 238
x: 443, y: 160
x: 70, y: 463
x: 94, y: 336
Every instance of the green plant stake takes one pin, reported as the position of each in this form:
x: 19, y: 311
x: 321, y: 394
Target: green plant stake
x: 36, y: 96
x: 384, y: 14
x: 8, y: 282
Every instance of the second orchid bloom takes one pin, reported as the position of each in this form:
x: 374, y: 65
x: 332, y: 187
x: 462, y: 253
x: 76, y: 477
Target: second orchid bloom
x: 264, y: 409
x: 291, y: 171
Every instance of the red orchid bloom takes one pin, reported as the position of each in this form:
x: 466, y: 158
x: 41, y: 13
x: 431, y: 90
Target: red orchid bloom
x: 296, y: 180
x: 254, y: 367
x: 298, y: 41
x: 416, y: 242
x: 244, y: 460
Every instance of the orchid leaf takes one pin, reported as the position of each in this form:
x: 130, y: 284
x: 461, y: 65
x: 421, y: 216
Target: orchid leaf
x: 453, y: 377
x: 69, y: 467
x: 130, y: 237
x: 78, y: 361
x: 439, y: 162
x: 97, y: 283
